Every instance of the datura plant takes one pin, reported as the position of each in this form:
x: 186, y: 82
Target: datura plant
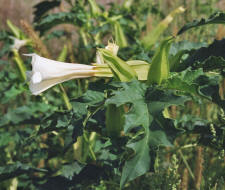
x: 122, y: 103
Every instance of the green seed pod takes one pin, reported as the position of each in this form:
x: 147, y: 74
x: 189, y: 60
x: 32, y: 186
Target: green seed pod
x: 151, y: 38
x: 114, y: 120
x: 95, y: 10
x: 160, y: 67
x: 121, y: 40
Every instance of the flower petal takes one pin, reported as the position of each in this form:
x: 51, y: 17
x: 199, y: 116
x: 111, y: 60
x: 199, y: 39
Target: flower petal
x: 47, y: 73
x: 36, y: 77
x: 37, y: 88
x: 53, y: 69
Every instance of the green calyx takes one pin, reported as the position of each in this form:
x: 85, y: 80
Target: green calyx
x: 120, y: 69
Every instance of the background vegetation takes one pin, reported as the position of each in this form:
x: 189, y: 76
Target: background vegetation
x: 59, y: 139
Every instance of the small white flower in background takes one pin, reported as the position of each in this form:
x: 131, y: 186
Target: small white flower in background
x: 18, y: 43
x: 47, y: 73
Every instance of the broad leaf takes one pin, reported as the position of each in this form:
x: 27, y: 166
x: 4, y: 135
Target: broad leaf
x: 216, y: 18
x: 133, y: 93
x: 5, y: 49
x: 139, y: 164
x: 185, y: 81
x: 69, y: 170
x: 211, y: 63
x: 209, y: 87
x: 208, y: 58
x: 162, y: 130
x: 196, y: 125
x: 179, y: 50
x: 43, y: 7
x: 91, y: 97
x: 52, y: 20
x: 158, y: 100
x: 185, y: 45
x: 195, y: 82
x: 55, y: 34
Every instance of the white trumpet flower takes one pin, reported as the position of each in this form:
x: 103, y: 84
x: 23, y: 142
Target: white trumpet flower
x: 47, y: 73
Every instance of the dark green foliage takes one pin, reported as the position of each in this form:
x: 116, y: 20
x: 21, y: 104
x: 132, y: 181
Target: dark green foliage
x: 209, y: 58
x: 144, y: 116
x: 3, y: 35
x: 216, y: 18
x: 185, y: 46
x: 55, y: 34
x: 203, y: 128
x: 43, y: 7
x: 137, y: 116
x: 196, y: 83
x: 158, y: 100
x: 29, y: 113
x: 16, y: 169
x: 52, y: 20
x: 6, y: 47
x: 69, y: 170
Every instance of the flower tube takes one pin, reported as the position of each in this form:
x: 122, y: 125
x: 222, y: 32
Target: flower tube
x: 47, y: 73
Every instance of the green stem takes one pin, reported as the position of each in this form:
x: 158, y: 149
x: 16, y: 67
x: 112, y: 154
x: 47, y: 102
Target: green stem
x: 186, y: 164
x: 15, y: 30
x: 65, y: 97
x: 62, y: 57
x: 20, y: 64
x: 83, y: 37
x: 188, y: 146
x: 92, y: 154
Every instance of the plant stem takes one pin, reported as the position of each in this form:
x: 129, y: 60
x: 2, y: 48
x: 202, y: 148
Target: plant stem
x: 65, y: 97
x: 20, y: 64
x: 83, y: 37
x: 186, y: 164
x: 89, y: 146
